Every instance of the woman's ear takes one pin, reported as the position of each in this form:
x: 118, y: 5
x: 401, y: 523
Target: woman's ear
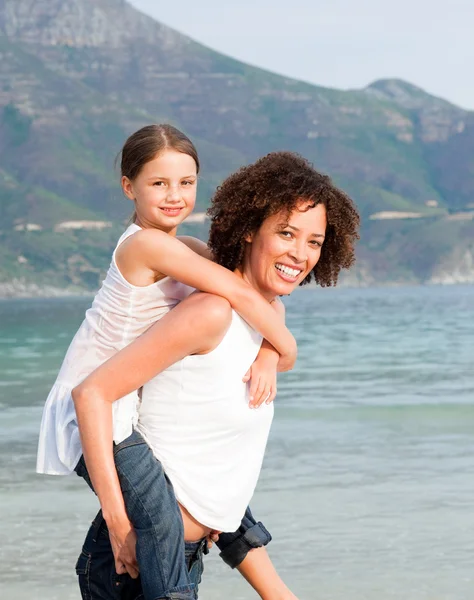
x: 127, y: 188
x: 249, y: 238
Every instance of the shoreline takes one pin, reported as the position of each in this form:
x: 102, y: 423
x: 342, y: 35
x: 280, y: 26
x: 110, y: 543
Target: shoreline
x: 18, y: 289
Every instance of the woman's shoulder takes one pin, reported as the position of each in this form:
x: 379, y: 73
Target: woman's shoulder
x: 210, y: 312
x: 211, y: 306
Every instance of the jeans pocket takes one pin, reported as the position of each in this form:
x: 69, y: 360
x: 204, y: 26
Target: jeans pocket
x: 83, y: 570
x: 83, y: 563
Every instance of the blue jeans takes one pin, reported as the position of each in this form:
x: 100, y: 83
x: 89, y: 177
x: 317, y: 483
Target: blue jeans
x: 98, y: 579
x: 161, y: 552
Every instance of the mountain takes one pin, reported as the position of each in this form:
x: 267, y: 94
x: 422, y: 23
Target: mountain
x: 77, y: 77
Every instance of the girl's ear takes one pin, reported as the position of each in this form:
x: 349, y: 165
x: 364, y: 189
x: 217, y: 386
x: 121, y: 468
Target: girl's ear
x: 249, y: 238
x: 127, y: 188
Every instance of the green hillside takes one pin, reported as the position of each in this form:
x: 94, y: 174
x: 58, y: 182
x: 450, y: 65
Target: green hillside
x: 76, y: 78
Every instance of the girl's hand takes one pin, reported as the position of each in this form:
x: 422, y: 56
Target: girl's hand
x: 212, y: 538
x: 263, y: 380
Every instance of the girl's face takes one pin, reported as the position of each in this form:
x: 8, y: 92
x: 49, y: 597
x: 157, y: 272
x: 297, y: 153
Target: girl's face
x: 164, y: 192
x: 284, y: 250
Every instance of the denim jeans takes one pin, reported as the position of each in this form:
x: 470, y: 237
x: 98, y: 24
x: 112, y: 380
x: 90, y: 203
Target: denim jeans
x: 162, y: 556
x: 98, y: 579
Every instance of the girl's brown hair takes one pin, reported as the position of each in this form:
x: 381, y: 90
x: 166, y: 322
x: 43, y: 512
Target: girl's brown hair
x: 149, y: 141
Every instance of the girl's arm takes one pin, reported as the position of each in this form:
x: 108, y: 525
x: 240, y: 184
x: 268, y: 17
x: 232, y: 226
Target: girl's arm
x: 161, y: 253
x: 263, y: 373
x: 196, y: 325
x: 196, y: 245
x: 258, y: 570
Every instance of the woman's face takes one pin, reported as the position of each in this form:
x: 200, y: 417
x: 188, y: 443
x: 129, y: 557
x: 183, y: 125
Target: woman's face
x: 284, y: 250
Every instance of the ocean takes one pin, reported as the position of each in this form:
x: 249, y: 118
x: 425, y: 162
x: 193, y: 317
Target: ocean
x: 368, y: 481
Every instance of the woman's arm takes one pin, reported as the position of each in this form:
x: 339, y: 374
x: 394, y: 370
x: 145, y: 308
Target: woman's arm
x: 257, y: 568
x: 162, y: 253
x: 196, y: 325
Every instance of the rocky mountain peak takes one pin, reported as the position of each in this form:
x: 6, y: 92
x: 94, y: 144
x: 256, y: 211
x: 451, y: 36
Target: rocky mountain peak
x: 403, y: 93
x: 82, y: 23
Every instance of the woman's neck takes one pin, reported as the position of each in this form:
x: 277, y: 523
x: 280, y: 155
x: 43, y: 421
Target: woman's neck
x: 248, y: 278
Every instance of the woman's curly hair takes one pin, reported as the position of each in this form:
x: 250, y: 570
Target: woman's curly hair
x: 276, y: 182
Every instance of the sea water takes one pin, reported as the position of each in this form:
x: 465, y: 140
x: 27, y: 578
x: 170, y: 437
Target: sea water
x: 368, y: 481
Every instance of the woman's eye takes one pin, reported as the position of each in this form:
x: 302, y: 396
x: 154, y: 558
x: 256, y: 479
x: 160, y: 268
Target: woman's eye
x: 188, y: 182
x: 286, y: 234
x: 159, y: 183
x: 316, y: 244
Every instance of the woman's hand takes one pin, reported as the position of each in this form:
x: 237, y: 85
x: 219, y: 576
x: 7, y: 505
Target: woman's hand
x: 263, y: 378
x: 123, y: 540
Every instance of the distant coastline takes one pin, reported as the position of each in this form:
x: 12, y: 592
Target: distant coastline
x: 19, y: 288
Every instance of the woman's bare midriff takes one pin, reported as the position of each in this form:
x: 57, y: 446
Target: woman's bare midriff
x: 193, y: 530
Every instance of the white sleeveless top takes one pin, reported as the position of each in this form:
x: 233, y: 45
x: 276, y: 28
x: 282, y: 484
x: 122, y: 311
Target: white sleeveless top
x: 196, y: 418
x: 120, y: 313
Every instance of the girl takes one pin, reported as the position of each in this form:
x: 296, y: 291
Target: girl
x: 159, y: 168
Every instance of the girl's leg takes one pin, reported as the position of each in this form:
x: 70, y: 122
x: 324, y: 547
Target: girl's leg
x: 154, y: 513
x: 235, y: 546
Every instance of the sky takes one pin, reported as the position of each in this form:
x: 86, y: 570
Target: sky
x: 344, y: 44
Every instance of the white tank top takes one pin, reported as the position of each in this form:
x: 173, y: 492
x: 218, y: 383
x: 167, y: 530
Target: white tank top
x: 196, y: 418
x: 120, y: 313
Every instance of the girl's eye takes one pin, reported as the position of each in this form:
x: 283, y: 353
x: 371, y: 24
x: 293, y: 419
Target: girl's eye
x: 188, y: 182
x: 159, y: 183
x: 316, y: 243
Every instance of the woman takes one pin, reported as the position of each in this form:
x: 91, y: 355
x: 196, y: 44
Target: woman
x: 277, y: 224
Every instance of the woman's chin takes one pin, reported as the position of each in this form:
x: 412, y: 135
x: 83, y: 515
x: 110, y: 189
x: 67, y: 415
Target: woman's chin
x: 285, y: 288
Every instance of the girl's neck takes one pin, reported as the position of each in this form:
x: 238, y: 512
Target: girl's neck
x: 146, y: 225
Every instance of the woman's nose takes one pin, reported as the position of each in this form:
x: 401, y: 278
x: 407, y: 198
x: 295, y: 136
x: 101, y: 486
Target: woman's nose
x: 298, y: 252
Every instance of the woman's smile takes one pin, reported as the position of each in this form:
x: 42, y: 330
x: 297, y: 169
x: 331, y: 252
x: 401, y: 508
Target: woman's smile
x: 288, y: 273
